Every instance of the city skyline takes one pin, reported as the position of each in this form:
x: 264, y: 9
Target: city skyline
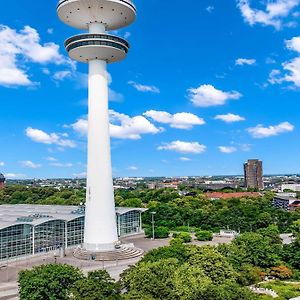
x: 176, y: 110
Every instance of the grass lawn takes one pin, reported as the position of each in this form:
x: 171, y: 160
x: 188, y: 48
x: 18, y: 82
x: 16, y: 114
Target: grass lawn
x: 283, y: 289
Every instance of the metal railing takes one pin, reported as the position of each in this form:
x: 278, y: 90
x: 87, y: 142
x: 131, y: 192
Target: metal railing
x: 87, y: 36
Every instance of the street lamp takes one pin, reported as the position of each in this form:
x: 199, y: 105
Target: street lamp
x: 153, y: 213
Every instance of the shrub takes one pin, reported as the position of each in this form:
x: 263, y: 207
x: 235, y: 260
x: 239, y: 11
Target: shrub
x: 160, y: 232
x: 204, y: 235
x: 186, y: 237
x: 185, y: 229
x: 176, y: 242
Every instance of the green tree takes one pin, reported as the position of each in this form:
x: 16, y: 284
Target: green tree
x: 160, y: 232
x: 97, y: 286
x: 204, y: 235
x: 255, y: 249
x: 48, y: 282
x: 213, y: 264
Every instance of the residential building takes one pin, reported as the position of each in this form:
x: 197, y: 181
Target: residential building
x: 295, y: 187
x: 253, y: 173
x: 286, y: 203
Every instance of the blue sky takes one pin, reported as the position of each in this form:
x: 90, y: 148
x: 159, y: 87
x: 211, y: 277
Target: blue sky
x: 206, y: 86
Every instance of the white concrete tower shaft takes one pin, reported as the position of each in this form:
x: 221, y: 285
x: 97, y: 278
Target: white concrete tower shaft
x: 100, y: 215
x: 97, y: 48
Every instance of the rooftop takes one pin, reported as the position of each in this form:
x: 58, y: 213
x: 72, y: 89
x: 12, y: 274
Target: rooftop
x: 38, y: 214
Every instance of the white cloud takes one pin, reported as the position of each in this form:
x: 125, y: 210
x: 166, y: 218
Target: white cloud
x: 50, y: 158
x: 122, y: 126
x: 246, y: 147
x: 273, y: 15
x: 125, y: 127
x: 230, y: 118
x: 2, y: 163
x: 80, y: 175
x: 29, y: 164
x: 114, y: 96
x: 207, y: 95
x: 227, y: 150
x: 14, y: 176
x: 260, y: 131
x: 183, y: 147
x: 132, y: 168
x: 18, y: 48
x: 184, y: 159
x: 245, y: 61
x: 294, y: 44
x: 62, y: 75
x: 180, y: 120
x: 127, y: 35
x: 210, y: 9
x: 291, y: 67
x: 144, y: 88
x: 50, y: 30
x: 40, y: 136
x: 61, y: 165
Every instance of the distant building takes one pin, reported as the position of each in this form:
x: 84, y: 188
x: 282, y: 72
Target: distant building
x: 295, y: 187
x: 286, y: 203
x: 253, y: 173
x: 2, y: 181
x: 219, y: 195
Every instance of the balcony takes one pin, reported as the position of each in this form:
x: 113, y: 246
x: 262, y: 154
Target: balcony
x: 87, y: 47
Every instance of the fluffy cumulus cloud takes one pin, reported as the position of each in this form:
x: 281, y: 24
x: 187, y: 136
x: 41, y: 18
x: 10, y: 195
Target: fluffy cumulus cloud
x: 207, y: 95
x: 180, y: 120
x: 40, y: 136
x: 122, y: 126
x: 273, y: 13
x: 19, y: 48
x: 29, y: 164
x: 291, y: 68
x: 245, y: 61
x: 260, y: 131
x: 227, y: 149
x: 184, y: 147
x: 144, y: 88
x: 230, y: 118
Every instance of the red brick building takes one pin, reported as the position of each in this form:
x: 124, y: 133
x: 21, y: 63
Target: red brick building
x: 219, y: 195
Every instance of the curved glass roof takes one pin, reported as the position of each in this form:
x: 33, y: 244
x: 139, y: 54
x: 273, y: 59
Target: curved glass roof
x: 38, y: 214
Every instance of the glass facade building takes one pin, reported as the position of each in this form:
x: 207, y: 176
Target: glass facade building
x: 31, y: 229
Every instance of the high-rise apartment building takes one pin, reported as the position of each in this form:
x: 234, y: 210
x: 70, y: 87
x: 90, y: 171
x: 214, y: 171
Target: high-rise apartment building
x: 2, y: 181
x: 253, y: 172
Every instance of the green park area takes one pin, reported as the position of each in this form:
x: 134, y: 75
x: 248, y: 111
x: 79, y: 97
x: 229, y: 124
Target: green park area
x: 181, y: 270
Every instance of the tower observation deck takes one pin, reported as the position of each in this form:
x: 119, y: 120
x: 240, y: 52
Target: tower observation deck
x: 97, y: 48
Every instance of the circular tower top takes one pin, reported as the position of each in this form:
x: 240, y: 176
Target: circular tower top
x: 114, y: 14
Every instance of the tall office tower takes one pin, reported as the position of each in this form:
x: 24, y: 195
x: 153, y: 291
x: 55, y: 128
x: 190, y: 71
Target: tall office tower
x: 2, y: 181
x: 97, y: 48
x: 253, y: 172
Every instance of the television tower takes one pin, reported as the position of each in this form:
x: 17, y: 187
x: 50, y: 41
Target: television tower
x: 98, y: 48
